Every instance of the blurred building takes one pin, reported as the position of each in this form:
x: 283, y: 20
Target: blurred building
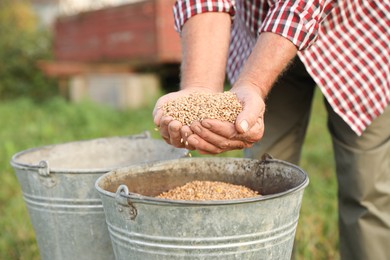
x: 49, y: 10
x: 116, y: 52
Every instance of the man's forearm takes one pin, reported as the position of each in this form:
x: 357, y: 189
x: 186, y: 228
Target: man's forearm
x: 205, y: 43
x: 268, y: 59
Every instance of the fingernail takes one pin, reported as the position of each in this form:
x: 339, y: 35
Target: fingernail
x: 206, y: 125
x: 195, y: 141
x: 244, y: 125
x: 197, y: 129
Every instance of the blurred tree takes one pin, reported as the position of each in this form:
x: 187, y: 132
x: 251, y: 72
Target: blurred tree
x: 22, y: 43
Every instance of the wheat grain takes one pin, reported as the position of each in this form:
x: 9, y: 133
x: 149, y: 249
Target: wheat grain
x: 198, y: 106
x: 208, y: 190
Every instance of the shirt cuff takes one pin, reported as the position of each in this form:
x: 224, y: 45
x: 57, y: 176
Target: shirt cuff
x: 298, y: 21
x: 185, y: 9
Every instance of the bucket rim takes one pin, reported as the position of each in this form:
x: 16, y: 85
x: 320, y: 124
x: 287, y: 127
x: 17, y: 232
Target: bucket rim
x: 59, y: 170
x: 135, y: 197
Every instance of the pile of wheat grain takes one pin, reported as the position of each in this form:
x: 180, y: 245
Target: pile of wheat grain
x: 208, y: 190
x: 198, y: 106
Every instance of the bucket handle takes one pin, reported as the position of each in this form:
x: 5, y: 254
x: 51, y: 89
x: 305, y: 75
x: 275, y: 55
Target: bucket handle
x: 123, y: 202
x: 143, y: 135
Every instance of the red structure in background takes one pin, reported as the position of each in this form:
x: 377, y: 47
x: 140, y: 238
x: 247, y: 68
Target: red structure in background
x: 138, y: 34
x: 118, y: 55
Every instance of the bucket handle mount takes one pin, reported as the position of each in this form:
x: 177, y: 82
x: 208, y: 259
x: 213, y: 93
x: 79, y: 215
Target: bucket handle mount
x: 265, y: 159
x: 45, y: 177
x: 43, y: 169
x: 124, y: 203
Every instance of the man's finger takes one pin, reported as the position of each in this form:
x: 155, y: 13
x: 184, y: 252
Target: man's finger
x: 201, y: 145
x: 221, y: 128
x: 175, y: 133
x: 165, y: 120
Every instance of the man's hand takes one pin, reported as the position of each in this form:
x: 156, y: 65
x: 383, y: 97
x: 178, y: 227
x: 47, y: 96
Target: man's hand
x: 172, y: 131
x: 213, y: 136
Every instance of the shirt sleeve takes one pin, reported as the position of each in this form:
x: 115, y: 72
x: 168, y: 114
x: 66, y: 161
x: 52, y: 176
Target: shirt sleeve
x: 298, y: 21
x: 185, y: 9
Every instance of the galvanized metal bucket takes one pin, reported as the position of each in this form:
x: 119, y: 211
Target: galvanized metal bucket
x: 144, y: 227
x: 58, y: 181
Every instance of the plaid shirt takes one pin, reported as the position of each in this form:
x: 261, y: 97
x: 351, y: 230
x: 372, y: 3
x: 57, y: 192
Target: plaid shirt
x: 345, y: 45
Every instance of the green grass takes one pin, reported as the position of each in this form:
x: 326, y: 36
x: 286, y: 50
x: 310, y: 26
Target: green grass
x: 25, y: 124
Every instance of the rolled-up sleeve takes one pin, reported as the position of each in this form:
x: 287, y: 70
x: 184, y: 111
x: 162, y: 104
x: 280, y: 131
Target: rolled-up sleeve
x: 185, y: 9
x: 298, y: 21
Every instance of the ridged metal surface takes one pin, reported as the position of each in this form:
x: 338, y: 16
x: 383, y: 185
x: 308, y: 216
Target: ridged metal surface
x: 144, y: 227
x: 57, y: 183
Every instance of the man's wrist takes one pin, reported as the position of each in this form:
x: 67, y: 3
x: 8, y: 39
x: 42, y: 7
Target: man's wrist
x: 199, y: 87
x: 246, y: 82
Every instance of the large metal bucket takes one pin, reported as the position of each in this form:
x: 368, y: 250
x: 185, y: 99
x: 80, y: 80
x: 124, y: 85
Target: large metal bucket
x: 58, y: 185
x: 144, y: 227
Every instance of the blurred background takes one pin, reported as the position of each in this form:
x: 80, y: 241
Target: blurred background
x: 81, y: 69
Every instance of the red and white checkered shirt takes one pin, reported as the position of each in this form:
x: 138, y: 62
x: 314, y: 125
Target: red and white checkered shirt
x: 345, y: 45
